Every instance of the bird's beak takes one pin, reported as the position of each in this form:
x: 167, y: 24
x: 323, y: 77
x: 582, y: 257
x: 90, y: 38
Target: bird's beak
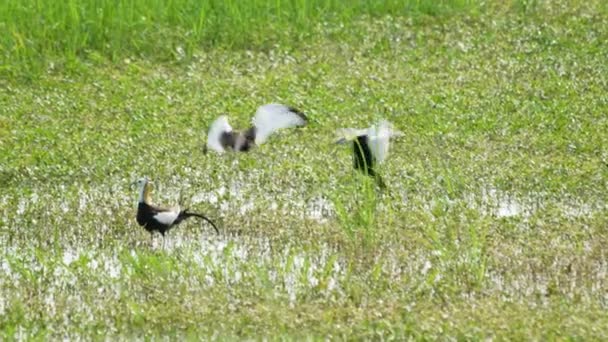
x: 341, y: 140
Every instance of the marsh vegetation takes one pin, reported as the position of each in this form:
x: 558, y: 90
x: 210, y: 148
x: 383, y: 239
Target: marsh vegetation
x: 493, y: 223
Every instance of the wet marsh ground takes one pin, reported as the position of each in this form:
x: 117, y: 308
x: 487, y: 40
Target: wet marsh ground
x: 494, y: 224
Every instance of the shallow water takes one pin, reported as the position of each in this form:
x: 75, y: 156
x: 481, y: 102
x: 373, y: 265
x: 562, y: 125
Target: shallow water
x: 239, y: 198
x: 80, y: 264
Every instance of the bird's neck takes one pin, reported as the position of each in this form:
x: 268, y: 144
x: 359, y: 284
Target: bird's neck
x: 144, y: 194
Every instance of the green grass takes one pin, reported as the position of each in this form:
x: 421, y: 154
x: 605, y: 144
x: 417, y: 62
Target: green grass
x: 43, y: 34
x: 493, y: 224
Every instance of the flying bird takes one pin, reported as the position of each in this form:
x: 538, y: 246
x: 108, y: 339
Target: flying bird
x: 370, y: 146
x: 268, y: 119
x: 154, y: 218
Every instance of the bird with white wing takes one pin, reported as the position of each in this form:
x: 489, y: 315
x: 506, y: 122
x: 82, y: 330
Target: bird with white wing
x: 268, y: 119
x: 370, y: 146
x: 154, y: 218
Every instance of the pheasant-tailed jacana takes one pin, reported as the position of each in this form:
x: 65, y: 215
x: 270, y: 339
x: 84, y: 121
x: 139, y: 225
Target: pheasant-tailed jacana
x: 370, y: 146
x: 154, y: 218
x: 268, y: 119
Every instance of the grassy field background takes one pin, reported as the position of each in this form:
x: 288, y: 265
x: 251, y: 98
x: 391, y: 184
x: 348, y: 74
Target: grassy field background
x: 494, y: 224
x: 39, y: 33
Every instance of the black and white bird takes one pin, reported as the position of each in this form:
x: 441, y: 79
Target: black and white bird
x: 158, y: 219
x: 268, y: 119
x: 370, y: 146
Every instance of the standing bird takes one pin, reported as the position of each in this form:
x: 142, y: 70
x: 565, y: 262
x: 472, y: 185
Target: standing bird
x: 268, y: 119
x: 370, y: 146
x: 154, y: 218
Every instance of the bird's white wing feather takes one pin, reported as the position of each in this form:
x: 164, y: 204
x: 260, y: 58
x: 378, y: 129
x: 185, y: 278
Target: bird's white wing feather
x: 378, y: 139
x: 166, y: 217
x: 219, y: 126
x: 272, y: 117
x: 348, y: 134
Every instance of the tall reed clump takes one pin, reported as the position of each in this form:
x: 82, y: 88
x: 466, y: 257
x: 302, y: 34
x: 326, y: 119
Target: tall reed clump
x: 355, y: 207
x: 37, y: 32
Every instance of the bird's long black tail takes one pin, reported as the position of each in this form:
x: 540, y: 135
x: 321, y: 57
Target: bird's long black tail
x: 185, y: 214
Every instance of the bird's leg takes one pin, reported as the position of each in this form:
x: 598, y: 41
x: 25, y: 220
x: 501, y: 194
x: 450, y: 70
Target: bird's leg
x: 380, y: 181
x: 180, y: 198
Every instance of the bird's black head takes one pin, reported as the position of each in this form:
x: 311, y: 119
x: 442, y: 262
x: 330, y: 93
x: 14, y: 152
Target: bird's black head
x: 245, y: 141
x: 250, y: 134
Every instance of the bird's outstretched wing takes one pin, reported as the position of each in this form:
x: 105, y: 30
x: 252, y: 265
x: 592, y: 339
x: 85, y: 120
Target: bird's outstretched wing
x: 272, y: 117
x: 378, y: 137
x: 349, y: 134
x: 379, y: 140
x: 218, y: 128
